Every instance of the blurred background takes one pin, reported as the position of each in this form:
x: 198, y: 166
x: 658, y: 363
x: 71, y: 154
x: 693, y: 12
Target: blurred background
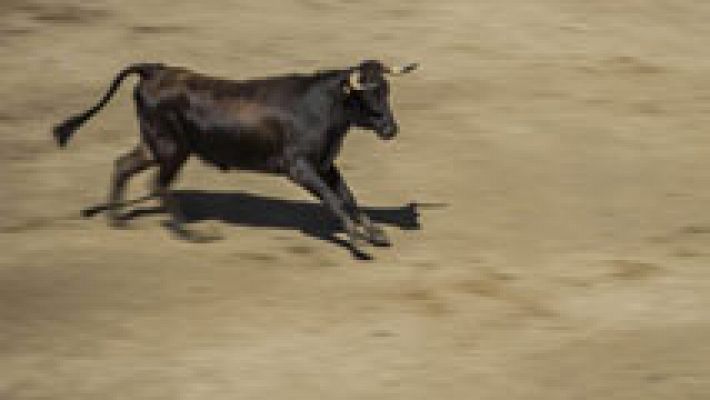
x: 564, y: 143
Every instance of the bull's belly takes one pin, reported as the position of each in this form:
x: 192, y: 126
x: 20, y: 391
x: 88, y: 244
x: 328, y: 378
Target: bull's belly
x: 238, y: 151
x: 271, y: 165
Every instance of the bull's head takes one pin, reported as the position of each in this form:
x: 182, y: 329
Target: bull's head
x: 369, y: 95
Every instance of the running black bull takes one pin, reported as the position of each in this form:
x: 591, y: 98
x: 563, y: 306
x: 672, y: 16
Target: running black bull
x: 292, y: 125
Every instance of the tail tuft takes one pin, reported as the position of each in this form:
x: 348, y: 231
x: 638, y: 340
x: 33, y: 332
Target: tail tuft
x: 63, y: 132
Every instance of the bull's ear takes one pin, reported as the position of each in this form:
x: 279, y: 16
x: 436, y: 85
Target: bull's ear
x: 404, y: 69
x: 354, y: 82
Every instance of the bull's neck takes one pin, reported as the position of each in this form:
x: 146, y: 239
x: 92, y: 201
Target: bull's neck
x: 341, y: 119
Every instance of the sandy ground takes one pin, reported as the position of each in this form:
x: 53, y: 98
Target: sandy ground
x: 558, y: 149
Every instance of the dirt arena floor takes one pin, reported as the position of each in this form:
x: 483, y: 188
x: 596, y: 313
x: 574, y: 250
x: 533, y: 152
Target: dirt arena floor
x: 548, y: 197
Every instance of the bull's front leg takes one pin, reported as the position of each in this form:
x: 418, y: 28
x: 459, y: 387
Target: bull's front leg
x: 303, y: 173
x: 373, y: 233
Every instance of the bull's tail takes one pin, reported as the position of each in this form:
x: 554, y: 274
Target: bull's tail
x: 63, y: 132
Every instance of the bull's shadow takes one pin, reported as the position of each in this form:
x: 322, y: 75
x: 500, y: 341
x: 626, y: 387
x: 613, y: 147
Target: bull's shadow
x: 247, y: 209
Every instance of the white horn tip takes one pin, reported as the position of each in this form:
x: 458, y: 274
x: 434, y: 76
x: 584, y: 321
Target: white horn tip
x: 407, y: 68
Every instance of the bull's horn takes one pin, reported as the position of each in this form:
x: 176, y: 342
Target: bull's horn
x: 404, y: 69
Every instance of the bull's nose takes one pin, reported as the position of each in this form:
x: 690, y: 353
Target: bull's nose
x: 389, y: 131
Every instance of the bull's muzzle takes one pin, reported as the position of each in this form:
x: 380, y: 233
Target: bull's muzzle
x: 387, y: 130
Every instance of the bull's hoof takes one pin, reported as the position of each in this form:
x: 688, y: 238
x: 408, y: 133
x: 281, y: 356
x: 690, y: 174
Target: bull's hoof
x: 361, y: 255
x: 377, y: 237
x: 356, y: 243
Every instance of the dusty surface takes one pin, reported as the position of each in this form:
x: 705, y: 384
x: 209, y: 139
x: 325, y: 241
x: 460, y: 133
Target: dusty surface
x: 562, y: 147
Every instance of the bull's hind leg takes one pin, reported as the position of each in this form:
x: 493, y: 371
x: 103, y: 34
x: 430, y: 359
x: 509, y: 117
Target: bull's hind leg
x: 171, y: 157
x: 125, y: 167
